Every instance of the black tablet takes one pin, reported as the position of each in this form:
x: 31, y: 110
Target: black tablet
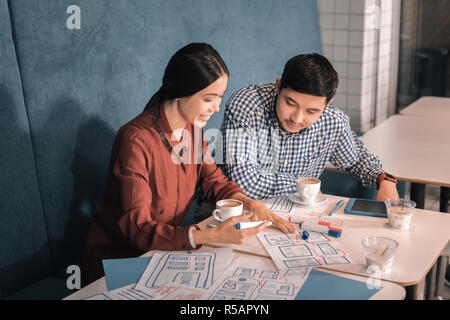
x: 365, y: 207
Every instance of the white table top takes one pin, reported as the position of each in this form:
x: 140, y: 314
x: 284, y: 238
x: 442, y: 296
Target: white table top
x: 438, y: 107
x: 389, y: 291
x: 418, y: 249
x: 415, y: 149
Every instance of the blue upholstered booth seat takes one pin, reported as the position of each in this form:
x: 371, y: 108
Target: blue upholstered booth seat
x: 345, y: 185
x: 45, y: 289
x: 24, y: 247
x: 65, y: 92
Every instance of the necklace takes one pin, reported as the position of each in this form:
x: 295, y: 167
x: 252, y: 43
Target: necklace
x: 155, y: 114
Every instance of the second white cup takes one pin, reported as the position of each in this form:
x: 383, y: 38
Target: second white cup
x: 308, y: 189
x: 227, y: 208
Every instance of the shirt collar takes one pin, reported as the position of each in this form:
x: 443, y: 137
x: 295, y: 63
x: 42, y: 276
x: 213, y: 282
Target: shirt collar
x: 165, y: 126
x: 163, y: 122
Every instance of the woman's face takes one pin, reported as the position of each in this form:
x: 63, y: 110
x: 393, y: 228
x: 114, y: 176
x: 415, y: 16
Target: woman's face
x: 198, y: 108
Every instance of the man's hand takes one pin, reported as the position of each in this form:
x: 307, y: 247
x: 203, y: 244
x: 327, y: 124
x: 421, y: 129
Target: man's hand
x: 387, y: 190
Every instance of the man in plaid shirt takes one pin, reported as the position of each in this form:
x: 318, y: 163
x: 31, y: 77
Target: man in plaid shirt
x: 275, y: 134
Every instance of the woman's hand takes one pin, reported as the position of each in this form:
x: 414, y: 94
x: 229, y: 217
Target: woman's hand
x: 228, y: 233
x: 261, y: 212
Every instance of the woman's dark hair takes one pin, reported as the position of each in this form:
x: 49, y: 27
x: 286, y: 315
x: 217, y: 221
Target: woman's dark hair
x: 310, y: 74
x: 191, y: 69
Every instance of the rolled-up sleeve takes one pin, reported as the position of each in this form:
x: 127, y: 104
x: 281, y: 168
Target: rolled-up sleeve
x: 351, y: 154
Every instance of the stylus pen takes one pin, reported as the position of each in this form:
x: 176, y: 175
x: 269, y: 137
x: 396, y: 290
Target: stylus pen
x: 246, y: 225
x: 338, y: 205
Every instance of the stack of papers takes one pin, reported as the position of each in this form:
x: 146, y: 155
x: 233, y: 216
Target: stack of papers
x: 210, y: 273
x: 164, y: 275
x: 204, y: 275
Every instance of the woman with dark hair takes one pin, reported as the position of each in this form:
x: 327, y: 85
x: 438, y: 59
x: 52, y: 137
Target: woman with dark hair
x: 150, y: 187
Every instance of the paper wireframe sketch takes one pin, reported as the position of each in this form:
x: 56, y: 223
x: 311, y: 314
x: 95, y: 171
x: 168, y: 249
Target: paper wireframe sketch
x: 165, y: 292
x: 190, y: 269
x: 130, y: 292
x: 182, y: 293
x: 282, y: 205
x: 256, y: 279
x: 99, y: 296
x: 289, y: 251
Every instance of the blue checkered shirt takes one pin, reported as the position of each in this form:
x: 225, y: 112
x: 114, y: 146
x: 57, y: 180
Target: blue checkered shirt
x: 266, y: 161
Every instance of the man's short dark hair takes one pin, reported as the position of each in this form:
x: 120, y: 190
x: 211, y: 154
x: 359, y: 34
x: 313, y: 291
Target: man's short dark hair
x: 310, y: 74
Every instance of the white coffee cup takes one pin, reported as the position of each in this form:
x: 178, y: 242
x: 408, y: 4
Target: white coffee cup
x: 308, y: 189
x: 227, y: 208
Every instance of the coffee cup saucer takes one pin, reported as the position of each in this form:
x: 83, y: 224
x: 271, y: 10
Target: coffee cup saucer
x: 319, y: 200
x: 214, y: 222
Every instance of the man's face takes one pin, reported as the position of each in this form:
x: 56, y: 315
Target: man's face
x: 297, y: 111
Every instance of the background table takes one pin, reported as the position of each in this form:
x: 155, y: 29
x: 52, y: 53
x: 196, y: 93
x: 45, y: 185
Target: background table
x: 390, y: 291
x: 437, y: 107
x: 415, y: 149
x: 418, y: 249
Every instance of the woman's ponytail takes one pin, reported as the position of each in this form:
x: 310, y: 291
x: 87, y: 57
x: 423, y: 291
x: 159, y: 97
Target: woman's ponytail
x: 155, y: 101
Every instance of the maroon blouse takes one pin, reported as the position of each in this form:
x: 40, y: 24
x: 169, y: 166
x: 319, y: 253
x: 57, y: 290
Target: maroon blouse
x: 148, y: 194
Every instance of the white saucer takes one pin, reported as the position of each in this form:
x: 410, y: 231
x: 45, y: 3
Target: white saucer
x: 213, y: 223
x: 320, y: 200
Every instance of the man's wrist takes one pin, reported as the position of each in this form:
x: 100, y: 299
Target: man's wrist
x: 385, y: 177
